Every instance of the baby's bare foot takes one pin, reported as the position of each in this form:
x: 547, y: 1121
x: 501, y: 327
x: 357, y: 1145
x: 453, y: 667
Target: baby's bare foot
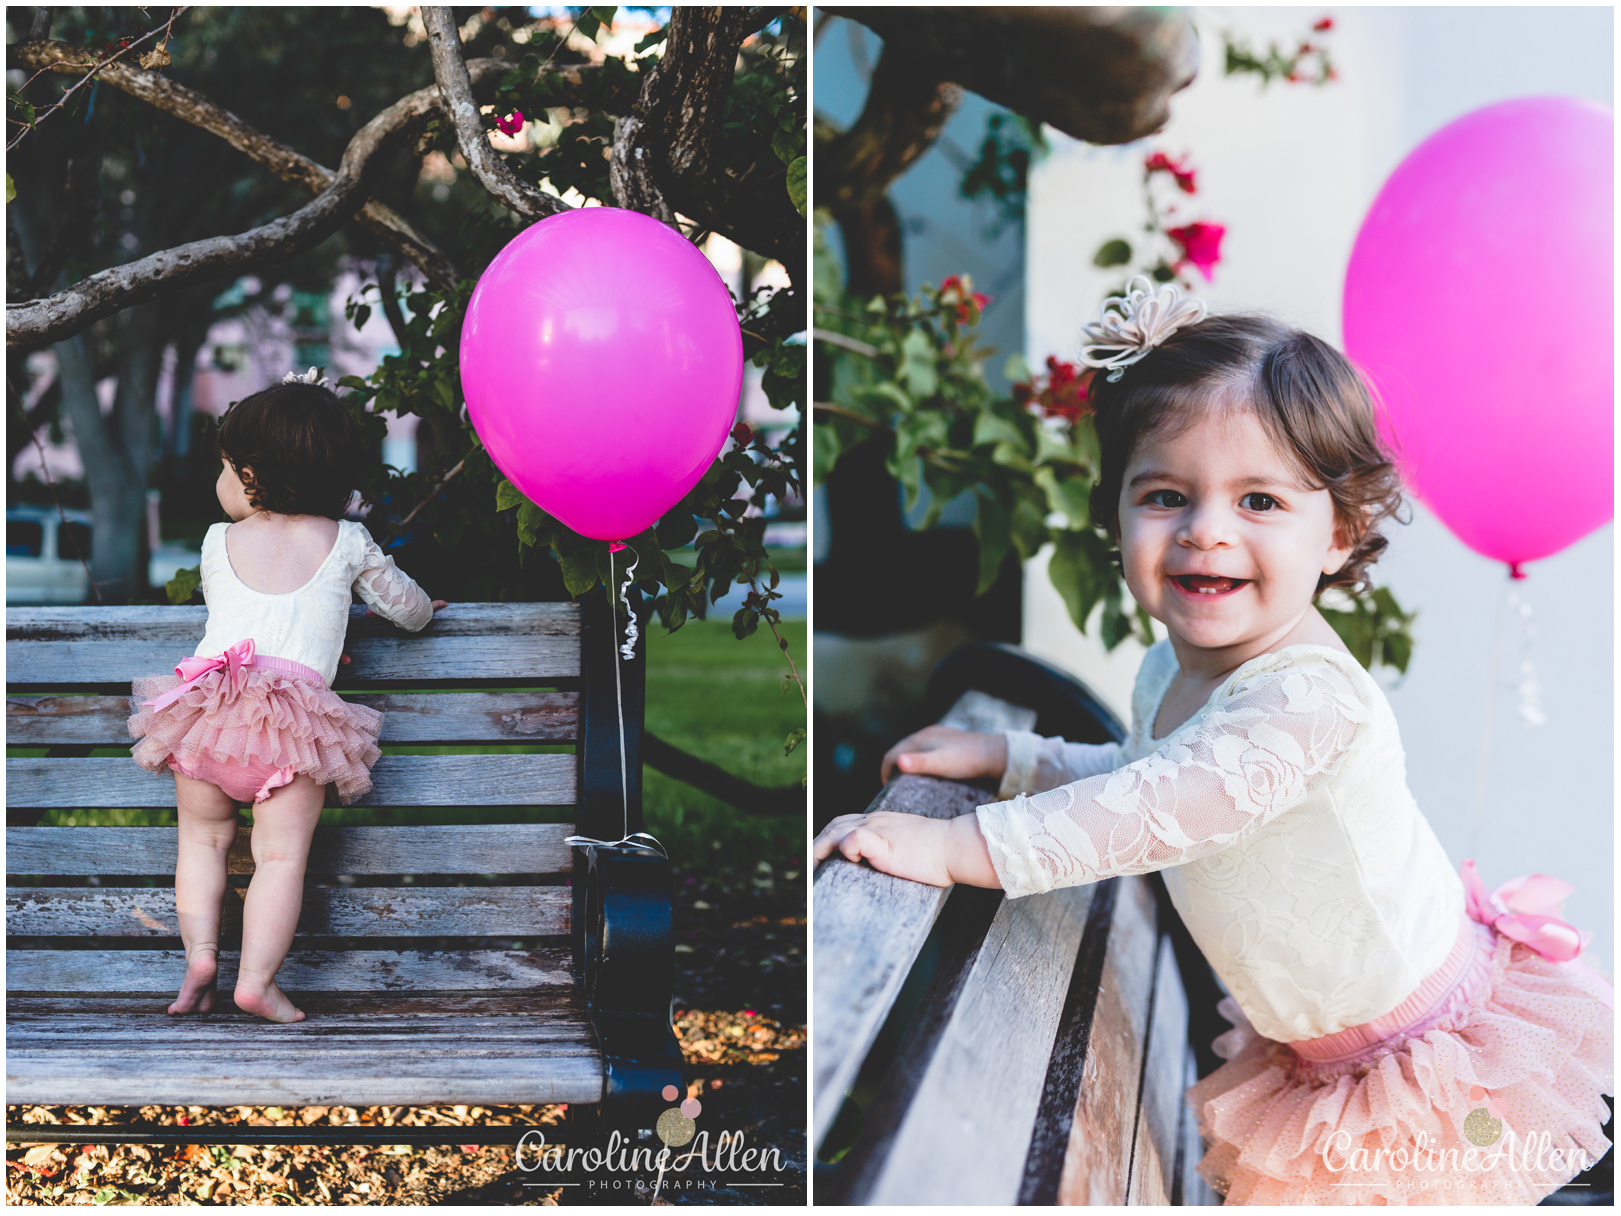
x: 268, y: 1001
x: 197, y: 989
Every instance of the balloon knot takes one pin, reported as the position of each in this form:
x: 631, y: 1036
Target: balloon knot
x: 1514, y: 570
x: 616, y: 546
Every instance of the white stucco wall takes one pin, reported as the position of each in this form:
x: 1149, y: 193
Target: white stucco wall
x: 1291, y: 171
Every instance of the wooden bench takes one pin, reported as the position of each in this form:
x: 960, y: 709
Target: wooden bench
x: 460, y: 963
x: 971, y: 1049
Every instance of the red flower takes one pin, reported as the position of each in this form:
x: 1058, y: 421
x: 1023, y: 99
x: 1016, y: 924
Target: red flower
x: 1201, y: 245
x: 1160, y: 163
x: 1064, y: 392
x: 511, y: 124
x: 959, y: 290
x: 1323, y: 26
x: 742, y: 434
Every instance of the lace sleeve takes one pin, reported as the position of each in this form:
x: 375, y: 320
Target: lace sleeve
x: 1278, y: 736
x: 389, y: 592
x: 1035, y: 764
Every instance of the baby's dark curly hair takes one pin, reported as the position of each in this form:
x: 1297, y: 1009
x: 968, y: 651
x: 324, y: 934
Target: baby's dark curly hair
x: 1306, y: 394
x: 295, y: 449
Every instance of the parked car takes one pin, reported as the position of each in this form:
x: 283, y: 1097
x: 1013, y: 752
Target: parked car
x: 42, y: 560
x: 42, y: 563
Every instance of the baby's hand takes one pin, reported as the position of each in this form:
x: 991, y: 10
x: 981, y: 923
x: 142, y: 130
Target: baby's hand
x: 438, y: 604
x: 938, y: 852
x: 945, y: 751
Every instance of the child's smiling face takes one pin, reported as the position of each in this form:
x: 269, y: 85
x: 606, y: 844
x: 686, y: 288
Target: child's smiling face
x: 1220, y: 539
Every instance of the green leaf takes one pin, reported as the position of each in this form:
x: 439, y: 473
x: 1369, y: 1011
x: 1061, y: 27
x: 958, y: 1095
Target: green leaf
x: 11, y: 193
x: 1080, y: 572
x: 1112, y: 253
x: 362, y: 315
x: 508, y: 496
x: 825, y: 449
x: 993, y: 525
x: 532, y: 522
x: 798, y: 184
x: 788, y: 146
x: 184, y: 582
x: 1069, y: 495
x: 1016, y: 370
x: 918, y: 358
x: 580, y: 571
x: 990, y: 428
x: 744, y: 622
x: 354, y: 382
x: 794, y: 739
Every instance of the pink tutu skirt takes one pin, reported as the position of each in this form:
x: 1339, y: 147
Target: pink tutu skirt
x: 252, y: 728
x: 1484, y: 1087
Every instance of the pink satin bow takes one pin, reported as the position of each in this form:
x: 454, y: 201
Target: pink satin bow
x: 1522, y: 909
x: 192, y: 669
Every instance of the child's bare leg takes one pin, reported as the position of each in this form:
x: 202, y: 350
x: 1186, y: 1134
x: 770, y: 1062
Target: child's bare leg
x: 282, y: 827
x: 207, y: 828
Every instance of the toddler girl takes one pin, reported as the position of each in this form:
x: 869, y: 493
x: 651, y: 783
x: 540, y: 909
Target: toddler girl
x: 249, y: 718
x: 1399, y: 1035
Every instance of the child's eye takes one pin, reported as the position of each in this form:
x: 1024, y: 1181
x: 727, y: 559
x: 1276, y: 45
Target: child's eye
x: 1259, y: 502
x: 1166, y: 498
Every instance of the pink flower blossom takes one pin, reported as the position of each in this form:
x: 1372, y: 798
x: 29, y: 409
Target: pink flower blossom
x: 1324, y: 25
x: 742, y: 435
x: 1160, y: 163
x: 959, y: 290
x: 1201, y: 245
x: 511, y: 124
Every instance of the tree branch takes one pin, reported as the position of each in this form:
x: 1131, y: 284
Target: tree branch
x: 284, y: 162
x: 907, y: 105
x: 663, y: 150
x: 109, y: 291
x: 456, y: 88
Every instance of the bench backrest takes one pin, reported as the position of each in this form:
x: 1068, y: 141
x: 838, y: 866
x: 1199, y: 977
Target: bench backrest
x: 480, y: 675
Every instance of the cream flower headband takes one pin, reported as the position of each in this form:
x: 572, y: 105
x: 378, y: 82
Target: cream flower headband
x: 1147, y: 316
x: 313, y: 376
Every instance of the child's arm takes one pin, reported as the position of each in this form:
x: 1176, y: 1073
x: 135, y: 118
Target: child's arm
x: 391, y: 593
x: 1026, y: 763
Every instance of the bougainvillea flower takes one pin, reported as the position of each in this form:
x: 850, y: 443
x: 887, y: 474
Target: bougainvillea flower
x: 959, y: 290
x: 1323, y: 26
x: 1064, y: 392
x: 1160, y: 163
x: 511, y: 124
x: 1201, y: 245
x: 742, y: 434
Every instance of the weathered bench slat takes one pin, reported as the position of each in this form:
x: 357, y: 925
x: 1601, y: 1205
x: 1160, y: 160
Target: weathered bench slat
x: 472, y: 848
x: 228, y: 1058
x: 870, y: 926
x: 1159, y: 1119
x: 382, y: 1009
x: 1098, y: 1160
x: 982, y: 1084
x: 328, y: 911
x: 159, y: 971
x: 408, y: 718
x: 489, y: 780
x: 110, y: 646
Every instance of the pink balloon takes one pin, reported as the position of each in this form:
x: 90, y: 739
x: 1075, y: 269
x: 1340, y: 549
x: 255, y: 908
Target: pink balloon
x: 1479, y: 303
x: 601, y: 360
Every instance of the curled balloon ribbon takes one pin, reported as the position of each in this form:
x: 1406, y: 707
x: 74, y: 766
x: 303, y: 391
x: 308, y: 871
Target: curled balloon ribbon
x: 192, y: 669
x: 628, y: 650
x: 1523, y: 909
x: 634, y: 840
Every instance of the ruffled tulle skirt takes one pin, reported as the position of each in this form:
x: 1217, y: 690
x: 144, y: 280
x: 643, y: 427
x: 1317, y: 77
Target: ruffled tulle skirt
x: 255, y: 721
x: 1493, y: 1097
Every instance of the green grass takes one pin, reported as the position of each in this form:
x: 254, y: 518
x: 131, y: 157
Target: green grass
x: 707, y: 693
x: 721, y: 700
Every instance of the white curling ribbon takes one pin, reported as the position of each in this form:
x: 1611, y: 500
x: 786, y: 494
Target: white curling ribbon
x: 634, y: 840
x: 628, y: 650
x: 1147, y: 316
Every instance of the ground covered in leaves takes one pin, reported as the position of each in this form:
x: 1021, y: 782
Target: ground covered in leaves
x: 740, y: 1016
